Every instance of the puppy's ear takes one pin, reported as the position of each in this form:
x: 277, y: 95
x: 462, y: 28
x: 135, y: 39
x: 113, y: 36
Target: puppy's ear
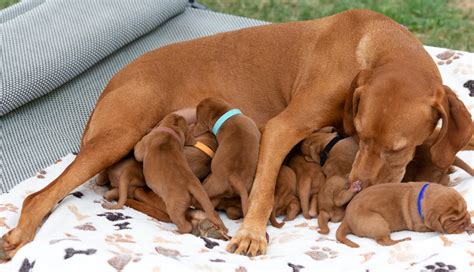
x: 352, y: 100
x: 456, y: 130
x: 139, y: 149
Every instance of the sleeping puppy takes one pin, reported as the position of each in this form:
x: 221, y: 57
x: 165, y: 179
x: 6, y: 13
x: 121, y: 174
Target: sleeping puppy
x: 309, y: 180
x: 335, y: 155
x: 125, y: 177
x: 422, y: 168
x: 168, y: 174
x: 234, y: 164
x: 381, y: 209
x: 200, y: 154
x: 286, y: 202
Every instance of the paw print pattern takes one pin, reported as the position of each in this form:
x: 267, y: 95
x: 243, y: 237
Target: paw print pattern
x: 448, y: 56
x: 119, y: 238
x: 320, y: 254
x: 439, y: 267
x: 8, y: 207
x: 114, y: 216
x: 87, y: 226
x: 470, y: 86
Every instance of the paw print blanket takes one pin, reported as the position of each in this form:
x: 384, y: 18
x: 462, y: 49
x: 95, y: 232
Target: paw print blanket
x: 80, y: 235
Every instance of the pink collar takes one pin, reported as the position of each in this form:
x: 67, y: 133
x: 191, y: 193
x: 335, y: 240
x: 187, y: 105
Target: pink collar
x: 171, y: 132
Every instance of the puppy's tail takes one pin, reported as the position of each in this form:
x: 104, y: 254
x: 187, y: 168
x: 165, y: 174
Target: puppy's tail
x: 196, y: 189
x: 274, y: 221
x: 239, y: 187
x: 148, y: 210
x: 341, y: 235
x: 463, y: 165
x: 304, y: 191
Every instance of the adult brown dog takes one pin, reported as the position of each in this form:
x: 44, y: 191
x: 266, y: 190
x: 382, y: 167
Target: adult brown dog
x: 291, y: 79
x: 385, y: 208
x: 168, y: 174
x: 124, y: 177
x: 233, y: 166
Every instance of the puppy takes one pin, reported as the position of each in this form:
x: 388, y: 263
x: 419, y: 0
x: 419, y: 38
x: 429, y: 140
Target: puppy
x: 234, y: 164
x: 168, y: 174
x: 309, y: 180
x: 125, y: 177
x: 381, y: 209
x: 335, y: 155
x: 422, y: 168
x: 200, y: 154
x: 286, y: 202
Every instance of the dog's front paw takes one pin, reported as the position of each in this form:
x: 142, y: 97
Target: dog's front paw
x: 249, y: 241
x: 11, y: 242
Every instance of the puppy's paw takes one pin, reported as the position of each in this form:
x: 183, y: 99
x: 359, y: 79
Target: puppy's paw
x: 356, y: 186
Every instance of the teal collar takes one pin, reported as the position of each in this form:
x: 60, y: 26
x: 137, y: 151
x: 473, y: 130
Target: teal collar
x: 226, y: 116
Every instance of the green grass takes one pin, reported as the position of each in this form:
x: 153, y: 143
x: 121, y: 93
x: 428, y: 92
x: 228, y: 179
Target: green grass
x: 436, y: 22
x: 440, y: 23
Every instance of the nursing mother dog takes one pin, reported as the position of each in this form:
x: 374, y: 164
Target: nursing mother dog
x: 358, y: 70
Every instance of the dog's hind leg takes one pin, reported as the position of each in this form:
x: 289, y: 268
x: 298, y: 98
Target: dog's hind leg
x: 323, y: 219
x: 108, y: 137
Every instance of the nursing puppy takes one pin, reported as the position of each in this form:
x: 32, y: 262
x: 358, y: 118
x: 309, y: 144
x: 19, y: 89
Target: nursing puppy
x: 422, y: 167
x: 381, y: 209
x: 234, y: 164
x: 309, y: 180
x: 200, y: 154
x: 168, y: 174
x: 125, y: 177
x: 335, y: 155
x: 286, y: 201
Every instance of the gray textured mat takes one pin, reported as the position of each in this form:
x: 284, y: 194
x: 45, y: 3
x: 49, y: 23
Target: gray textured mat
x: 35, y: 135
x: 54, y: 41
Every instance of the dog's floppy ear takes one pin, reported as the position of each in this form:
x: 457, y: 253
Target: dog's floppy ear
x: 352, y: 101
x: 456, y: 130
x: 139, y: 149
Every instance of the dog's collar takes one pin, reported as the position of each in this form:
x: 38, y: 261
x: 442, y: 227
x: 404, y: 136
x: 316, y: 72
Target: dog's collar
x: 420, y: 198
x: 323, y: 156
x: 223, y: 119
x: 204, y: 148
x: 172, y: 133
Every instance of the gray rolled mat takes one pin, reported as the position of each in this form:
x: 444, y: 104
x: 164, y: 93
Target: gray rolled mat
x: 54, y: 41
x: 36, y: 134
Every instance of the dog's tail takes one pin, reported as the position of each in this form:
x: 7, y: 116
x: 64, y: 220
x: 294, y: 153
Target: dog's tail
x: 148, y: 210
x: 274, y: 221
x: 196, y: 189
x: 463, y: 165
x: 304, y: 191
x: 341, y: 235
x: 239, y: 187
x: 323, y: 219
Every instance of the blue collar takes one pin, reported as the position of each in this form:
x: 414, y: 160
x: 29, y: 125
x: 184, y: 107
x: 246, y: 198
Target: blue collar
x: 420, y: 198
x: 224, y: 118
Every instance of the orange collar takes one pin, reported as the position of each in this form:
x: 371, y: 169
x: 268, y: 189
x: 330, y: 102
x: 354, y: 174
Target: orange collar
x: 204, y: 148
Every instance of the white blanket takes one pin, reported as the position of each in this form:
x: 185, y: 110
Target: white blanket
x: 80, y: 235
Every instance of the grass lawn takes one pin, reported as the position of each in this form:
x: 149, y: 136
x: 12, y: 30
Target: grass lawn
x: 442, y: 23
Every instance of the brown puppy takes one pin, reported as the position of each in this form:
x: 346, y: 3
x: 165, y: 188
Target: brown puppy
x: 385, y: 208
x: 168, y: 174
x: 233, y: 166
x: 336, y: 155
x: 200, y: 154
x: 290, y: 78
x: 309, y: 180
x: 422, y: 168
x: 286, y: 202
x: 125, y: 177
